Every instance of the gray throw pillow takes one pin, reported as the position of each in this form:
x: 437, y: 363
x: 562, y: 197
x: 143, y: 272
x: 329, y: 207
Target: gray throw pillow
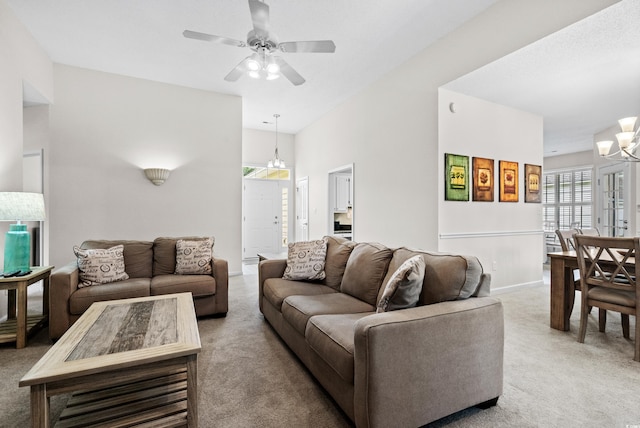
x: 403, y: 289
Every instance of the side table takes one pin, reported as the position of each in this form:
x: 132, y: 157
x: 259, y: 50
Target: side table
x: 18, y: 325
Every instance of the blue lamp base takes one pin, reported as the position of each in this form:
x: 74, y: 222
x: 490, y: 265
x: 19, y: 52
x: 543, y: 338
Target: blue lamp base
x: 17, y: 246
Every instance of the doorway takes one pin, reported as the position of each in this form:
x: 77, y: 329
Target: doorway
x: 614, y: 196
x: 341, y: 202
x: 266, y: 211
x: 302, y: 209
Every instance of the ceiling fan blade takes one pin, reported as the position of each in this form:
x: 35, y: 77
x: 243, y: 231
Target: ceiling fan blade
x: 211, y: 38
x: 260, y: 17
x: 238, y: 71
x: 322, y: 46
x: 289, y: 72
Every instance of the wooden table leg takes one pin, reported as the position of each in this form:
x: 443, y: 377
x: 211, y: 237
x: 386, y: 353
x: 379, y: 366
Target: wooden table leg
x: 45, y: 297
x: 39, y: 406
x: 21, y: 317
x: 192, y: 391
x: 559, y: 295
x: 11, y: 313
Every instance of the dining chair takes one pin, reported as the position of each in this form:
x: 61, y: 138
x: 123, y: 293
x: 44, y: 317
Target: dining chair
x: 608, y: 274
x: 568, y: 244
x: 590, y: 232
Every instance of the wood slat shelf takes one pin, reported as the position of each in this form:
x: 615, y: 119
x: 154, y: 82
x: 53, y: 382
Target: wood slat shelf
x: 9, y: 328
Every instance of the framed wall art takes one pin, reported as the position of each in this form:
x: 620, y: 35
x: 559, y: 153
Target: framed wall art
x: 508, y: 181
x: 532, y: 180
x: 483, y: 179
x: 456, y: 178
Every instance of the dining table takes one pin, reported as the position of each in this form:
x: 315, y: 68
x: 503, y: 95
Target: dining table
x: 562, y: 293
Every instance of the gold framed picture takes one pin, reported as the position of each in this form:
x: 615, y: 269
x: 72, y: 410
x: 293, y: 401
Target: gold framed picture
x: 456, y: 177
x: 532, y: 180
x: 483, y: 189
x: 508, y: 181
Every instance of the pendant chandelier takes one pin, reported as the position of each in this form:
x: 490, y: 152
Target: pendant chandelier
x: 628, y: 142
x: 276, y: 162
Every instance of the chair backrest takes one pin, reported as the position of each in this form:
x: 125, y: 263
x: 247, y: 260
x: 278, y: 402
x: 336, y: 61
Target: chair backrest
x: 608, y: 262
x: 590, y: 232
x: 566, y: 239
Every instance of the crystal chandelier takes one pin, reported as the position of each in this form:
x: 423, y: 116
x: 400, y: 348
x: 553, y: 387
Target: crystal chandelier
x: 628, y: 142
x: 276, y: 162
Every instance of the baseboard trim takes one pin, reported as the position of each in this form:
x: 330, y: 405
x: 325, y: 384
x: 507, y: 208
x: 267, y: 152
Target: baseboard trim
x: 516, y: 287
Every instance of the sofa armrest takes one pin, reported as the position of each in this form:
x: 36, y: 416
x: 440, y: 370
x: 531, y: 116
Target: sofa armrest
x: 269, y: 269
x: 63, y: 283
x: 220, y: 271
x: 416, y: 365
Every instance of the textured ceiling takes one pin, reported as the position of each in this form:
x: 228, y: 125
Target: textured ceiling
x: 143, y: 38
x: 581, y: 79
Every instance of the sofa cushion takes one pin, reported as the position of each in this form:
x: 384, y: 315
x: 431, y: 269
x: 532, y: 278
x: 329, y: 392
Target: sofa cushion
x: 275, y: 290
x: 446, y: 277
x: 338, y: 252
x: 365, y: 270
x: 332, y: 338
x: 193, y: 257
x: 138, y: 255
x: 305, y: 260
x: 297, y: 310
x: 82, y: 298
x: 100, y: 266
x: 164, y: 253
x: 198, y: 285
x: 403, y: 288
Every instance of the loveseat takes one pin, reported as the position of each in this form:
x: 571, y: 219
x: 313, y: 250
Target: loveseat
x: 400, y: 368
x: 150, y: 268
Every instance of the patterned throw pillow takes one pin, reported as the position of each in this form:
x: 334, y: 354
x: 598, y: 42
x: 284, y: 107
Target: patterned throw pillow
x: 306, y: 260
x: 403, y: 289
x: 193, y: 257
x: 100, y: 266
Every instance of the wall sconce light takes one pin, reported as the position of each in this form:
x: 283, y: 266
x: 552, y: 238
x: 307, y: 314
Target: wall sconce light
x: 157, y: 175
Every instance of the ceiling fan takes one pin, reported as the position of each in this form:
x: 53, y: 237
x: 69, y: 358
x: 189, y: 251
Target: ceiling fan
x: 264, y: 62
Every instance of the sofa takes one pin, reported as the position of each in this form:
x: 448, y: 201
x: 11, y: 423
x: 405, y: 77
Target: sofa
x: 150, y: 268
x: 405, y: 367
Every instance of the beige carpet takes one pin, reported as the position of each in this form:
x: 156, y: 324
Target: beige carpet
x: 248, y: 378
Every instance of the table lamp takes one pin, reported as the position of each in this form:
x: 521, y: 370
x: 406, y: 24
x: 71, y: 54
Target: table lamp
x: 19, y: 206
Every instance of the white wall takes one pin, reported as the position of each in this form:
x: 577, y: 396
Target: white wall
x: 390, y: 129
x: 491, y: 230
x: 106, y: 128
x: 568, y: 161
x: 21, y: 60
x: 258, y: 147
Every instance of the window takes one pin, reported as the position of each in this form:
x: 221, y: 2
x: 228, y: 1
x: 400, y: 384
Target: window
x: 266, y: 173
x: 567, y: 199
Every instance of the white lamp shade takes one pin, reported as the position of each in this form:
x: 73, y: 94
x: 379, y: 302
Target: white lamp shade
x: 627, y: 124
x: 157, y: 175
x: 21, y: 206
x: 624, y: 139
x: 604, y: 147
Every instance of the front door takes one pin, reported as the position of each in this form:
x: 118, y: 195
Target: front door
x: 261, y: 219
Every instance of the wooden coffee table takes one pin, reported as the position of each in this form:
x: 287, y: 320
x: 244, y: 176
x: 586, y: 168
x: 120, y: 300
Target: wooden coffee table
x: 131, y: 361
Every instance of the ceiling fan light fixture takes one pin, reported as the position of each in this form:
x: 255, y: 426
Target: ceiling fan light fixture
x: 253, y: 64
x: 255, y: 74
x: 272, y: 76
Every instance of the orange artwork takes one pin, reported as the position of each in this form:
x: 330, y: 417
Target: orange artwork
x: 508, y: 181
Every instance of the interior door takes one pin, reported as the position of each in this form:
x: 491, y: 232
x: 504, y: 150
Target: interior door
x: 262, y: 227
x: 614, y: 196
x: 302, y: 209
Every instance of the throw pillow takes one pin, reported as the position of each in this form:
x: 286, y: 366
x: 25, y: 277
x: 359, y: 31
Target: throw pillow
x: 403, y: 289
x: 100, y: 266
x: 306, y: 260
x: 193, y: 257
